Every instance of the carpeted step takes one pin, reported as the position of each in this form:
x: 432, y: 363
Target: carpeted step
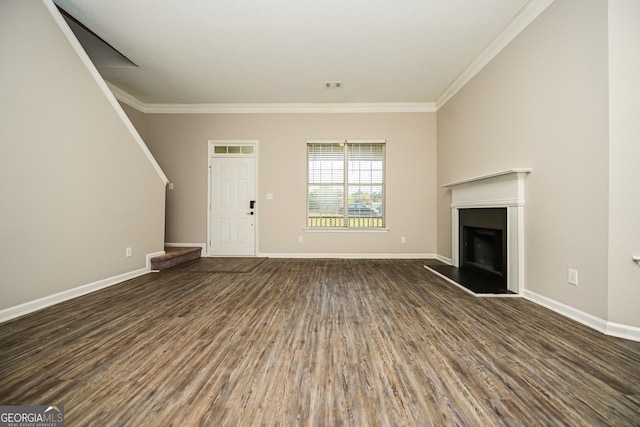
x: 174, y: 256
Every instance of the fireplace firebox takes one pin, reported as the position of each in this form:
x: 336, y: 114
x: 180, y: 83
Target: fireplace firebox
x: 482, y: 249
x: 483, y: 242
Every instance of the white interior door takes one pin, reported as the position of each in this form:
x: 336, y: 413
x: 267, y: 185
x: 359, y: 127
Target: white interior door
x: 232, y: 211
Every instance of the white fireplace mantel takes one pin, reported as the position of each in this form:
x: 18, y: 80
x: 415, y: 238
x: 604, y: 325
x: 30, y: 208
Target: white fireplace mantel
x: 496, y: 190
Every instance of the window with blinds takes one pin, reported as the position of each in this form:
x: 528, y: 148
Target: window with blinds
x: 345, y: 184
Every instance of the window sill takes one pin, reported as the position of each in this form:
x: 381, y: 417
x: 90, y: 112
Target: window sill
x: 345, y: 230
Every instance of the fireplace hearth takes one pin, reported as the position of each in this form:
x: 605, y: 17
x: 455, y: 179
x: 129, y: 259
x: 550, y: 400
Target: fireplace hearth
x: 482, y: 251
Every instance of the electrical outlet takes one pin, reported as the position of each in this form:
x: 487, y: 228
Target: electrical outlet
x: 300, y: 239
x: 403, y: 239
x: 572, y: 277
x: 127, y: 252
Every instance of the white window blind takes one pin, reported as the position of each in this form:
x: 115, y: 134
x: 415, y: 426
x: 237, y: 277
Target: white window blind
x: 345, y: 186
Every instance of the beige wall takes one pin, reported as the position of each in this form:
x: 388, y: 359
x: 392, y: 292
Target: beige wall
x: 76, y: 188
x: 543, y: 103
x: 136, y: 117
x: 624, y: 159
x: 179, y: 143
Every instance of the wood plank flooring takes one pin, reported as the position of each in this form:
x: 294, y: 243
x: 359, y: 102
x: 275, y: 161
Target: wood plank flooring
x: 314, y: 343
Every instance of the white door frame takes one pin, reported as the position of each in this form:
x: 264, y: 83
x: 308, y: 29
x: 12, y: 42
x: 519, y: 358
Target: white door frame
x: 210, y: 155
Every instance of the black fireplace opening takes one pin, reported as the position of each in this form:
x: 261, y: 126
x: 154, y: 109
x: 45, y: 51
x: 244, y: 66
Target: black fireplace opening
x: 482, y: 249
x: 483, y: 245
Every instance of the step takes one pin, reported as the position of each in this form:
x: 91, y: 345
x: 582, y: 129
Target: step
x: 174, y: 256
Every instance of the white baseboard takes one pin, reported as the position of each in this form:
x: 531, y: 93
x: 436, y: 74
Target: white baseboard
x: 567, y: 311
x: 601, y: 325
x: 609, y: 328
x: 347, y: 255
x: 153, y: 255
x: 444, y: 259
x: 49, y: 300
x: 623, y: 331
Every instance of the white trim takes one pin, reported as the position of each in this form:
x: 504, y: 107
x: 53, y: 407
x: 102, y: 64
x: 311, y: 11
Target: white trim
x: 346, y: 141
x: 126, y: 98
x: 293, y: 107
x: 567, y: 311
x: 493, y: 203
x: 526, y: 16
x: 270, y: 108
x: 153, y: 255
x: 444, y: 259
x: 49, y: 300
x: 102, y: 85
x: 489, y: 175
x: 348, y: 255
x: 344, y: 229
x: 623, y: 331
x: 609, y: 328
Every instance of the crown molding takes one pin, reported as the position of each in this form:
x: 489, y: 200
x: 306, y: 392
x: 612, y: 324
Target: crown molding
x: 271, y: 108
x: 267, y: 108
x: 526, y: 16
x: 127, y: 98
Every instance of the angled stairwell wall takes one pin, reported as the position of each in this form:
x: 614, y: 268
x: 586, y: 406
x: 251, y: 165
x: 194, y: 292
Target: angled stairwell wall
x: 79, y: 185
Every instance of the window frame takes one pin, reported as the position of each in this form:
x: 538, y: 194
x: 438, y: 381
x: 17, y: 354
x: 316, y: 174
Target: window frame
x: 345, y: 184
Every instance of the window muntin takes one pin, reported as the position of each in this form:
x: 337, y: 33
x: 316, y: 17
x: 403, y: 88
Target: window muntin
x: 233, y: 149
x: 345, y: 185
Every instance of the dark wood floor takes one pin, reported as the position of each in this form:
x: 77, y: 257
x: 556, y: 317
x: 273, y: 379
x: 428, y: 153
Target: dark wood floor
x: 314, y: 342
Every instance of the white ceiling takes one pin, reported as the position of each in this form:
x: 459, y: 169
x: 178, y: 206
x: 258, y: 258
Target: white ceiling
x: 282, y: 51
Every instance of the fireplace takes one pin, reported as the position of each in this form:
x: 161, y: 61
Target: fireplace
x: 487, y: 218
x: 483, y: 242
